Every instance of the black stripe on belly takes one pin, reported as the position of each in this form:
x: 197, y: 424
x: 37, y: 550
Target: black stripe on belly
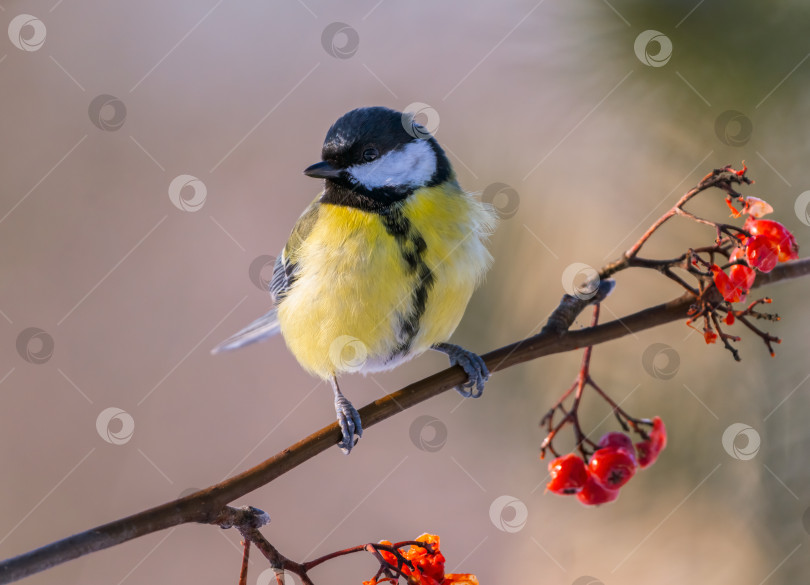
x: 412, y: 246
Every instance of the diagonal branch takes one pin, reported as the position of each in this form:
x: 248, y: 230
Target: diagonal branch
x: 209, y: 505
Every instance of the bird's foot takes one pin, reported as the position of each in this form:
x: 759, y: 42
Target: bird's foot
x: 349, y: 421
x: 473, y: 365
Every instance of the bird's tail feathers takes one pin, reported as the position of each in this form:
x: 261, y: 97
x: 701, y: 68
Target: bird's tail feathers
x: 262, y: 328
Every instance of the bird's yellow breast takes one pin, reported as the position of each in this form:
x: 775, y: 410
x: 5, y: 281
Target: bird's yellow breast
x: 373, y: 290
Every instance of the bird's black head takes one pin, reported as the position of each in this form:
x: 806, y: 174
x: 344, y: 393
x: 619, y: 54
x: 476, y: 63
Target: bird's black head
x: 373, y: 157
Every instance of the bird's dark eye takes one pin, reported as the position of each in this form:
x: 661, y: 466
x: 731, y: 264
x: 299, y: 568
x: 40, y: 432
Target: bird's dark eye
x: 370, y: 154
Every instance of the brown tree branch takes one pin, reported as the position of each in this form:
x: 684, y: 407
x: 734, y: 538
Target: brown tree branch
x: 209, y: 506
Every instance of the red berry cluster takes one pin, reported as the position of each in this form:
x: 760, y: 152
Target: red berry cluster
x: 610, y: 467
x: 769, y: 243
x: 419, y: 565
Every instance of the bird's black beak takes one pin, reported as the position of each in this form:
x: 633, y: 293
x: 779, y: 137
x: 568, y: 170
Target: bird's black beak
x: 322, y: 170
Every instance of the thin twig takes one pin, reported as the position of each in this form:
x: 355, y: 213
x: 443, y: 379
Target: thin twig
x: 243, y: 572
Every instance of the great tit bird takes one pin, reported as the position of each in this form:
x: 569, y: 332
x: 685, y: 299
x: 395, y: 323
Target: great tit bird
x: 382, y: 263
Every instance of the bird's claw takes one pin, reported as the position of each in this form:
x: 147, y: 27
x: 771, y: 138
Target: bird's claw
x: 472, y: 363
x: 350, y: 424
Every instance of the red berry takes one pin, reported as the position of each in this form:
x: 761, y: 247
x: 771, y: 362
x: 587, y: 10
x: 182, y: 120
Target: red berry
x: 778, y: 234
x: 659, y: 433
x: 430, y: 566
x: 742, y: 277
x: 740, y: 274
x: 649, y: 450
x: 732, y: 291
x: 593, y: 494
x: 646, y: 454
x: 619, y: 440
x: 612, y: 467
x: 761, y: 252
x: 568, y: 474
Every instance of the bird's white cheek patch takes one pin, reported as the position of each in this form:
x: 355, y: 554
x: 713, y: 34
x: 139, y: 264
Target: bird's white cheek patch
x: 410, y: 166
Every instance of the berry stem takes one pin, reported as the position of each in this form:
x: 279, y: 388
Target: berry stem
x: 243, y: 571
x: 725, y: 337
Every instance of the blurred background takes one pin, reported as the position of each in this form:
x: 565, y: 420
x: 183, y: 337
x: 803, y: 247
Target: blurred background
x: 151, y: 156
